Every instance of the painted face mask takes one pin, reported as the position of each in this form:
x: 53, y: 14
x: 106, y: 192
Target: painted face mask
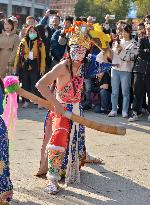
x: 32, y: 36
x: 77, y: 53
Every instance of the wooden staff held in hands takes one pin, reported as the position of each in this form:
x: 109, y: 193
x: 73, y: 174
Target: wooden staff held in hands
x: 107, y: 128
x: 12, y: 85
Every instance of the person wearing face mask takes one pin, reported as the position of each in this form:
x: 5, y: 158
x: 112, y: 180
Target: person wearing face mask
x: 30, y: 60
x: 9, y: 42
x: 30, y: 21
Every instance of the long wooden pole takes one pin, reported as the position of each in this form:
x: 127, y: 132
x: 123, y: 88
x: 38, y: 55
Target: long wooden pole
x: 107, y: 128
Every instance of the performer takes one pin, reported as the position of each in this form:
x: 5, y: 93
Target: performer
x: 6, y: 188
x: 65, y: 138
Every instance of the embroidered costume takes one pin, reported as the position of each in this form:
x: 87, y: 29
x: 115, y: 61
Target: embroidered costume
x: 5, y: 182
x: 66, y: 143
x: 66, y: 149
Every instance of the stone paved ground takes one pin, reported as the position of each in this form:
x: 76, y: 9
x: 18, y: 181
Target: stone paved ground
x: 124, y: 179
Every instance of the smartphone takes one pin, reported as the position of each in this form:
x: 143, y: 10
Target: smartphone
x: 53, y: 11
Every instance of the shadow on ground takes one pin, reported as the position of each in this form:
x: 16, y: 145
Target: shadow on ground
x: 34, y: 114
x: 102, y: 188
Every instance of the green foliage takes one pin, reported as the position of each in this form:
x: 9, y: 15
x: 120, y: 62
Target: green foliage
x: 81, y: 8
x: 99, y: 8
x: 143, y: 7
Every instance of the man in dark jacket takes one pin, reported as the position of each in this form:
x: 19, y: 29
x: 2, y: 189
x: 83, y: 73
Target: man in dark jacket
x: 59, y: 41
x: 55, y: 23
x: 141, y: 77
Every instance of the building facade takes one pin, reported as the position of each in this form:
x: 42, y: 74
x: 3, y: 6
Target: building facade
x: 64, y: 7
x: 21, y: 8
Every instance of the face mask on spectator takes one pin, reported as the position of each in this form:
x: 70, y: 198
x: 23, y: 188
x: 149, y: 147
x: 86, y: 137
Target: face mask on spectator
x: 32, y: 36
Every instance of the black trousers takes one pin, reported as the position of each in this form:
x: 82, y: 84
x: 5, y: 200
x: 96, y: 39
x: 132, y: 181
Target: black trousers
x: 141, y: 84
x: 30, y: 76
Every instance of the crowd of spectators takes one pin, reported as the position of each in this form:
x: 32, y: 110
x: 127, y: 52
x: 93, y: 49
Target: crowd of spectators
x: 37, y: 47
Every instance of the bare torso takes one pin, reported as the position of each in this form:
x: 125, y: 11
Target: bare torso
x: 65, y: 75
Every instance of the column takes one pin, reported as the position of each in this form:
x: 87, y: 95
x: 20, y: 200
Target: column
x: 9, y: 8
x: 32, y: 9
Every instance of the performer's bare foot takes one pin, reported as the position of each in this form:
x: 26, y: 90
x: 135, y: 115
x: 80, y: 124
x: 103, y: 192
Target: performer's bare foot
x: 40, y: 174
x: 52, y: 188
x: 92, y: 159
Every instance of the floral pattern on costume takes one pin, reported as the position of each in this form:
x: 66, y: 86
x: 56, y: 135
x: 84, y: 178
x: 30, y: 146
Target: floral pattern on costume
x: 54, y: 160
x: 67, y: 94
x: 71, y: 139
x: 5, y: 182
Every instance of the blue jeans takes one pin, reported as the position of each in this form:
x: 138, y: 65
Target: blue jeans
x: 88, y: 85
x: 105, y: 97
x: 124, y: 78
x: 105, y: 100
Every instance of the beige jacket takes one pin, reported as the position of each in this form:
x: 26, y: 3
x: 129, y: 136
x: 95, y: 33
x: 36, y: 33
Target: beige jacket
x: 8, y: 48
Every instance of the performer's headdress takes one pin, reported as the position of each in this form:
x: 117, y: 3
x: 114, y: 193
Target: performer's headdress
x: 85, y: 35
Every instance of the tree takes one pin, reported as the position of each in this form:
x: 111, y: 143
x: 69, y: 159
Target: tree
x: 81, y: 8
x: 99, y: 8
x: 119, y: 8
x: 143, y: 7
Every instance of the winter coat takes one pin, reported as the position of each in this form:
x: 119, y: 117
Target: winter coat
x: 142, y: 63
x: 57, y: 50
x: 8, y: 49
x: 38, y: 50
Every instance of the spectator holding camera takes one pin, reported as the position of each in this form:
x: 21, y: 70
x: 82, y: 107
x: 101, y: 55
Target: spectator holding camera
x: 124, y: 53
x: 54, y: 23
x: 59, y: 41
x: 30, y: 60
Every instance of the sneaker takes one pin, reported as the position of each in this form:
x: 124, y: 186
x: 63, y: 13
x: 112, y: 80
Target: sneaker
x: 112, y: 114
x: 133, y: 117
x: 53, y: 188
x: 148, y: 118
x: 124, y: 114
x: 25, y: 105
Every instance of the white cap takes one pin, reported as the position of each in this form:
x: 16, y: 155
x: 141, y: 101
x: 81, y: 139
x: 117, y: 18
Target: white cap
x: 13, y: 18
